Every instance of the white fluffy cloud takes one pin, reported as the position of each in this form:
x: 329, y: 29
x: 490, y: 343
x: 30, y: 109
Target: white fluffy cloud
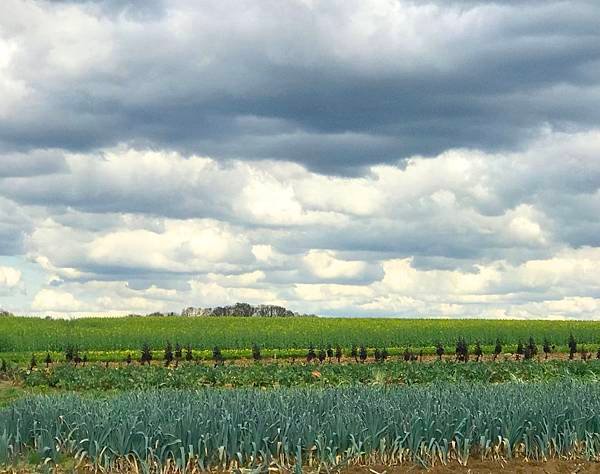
x: 324, y: 265
x: 366, y: 157
x: 52, y: 301
x: 462, y: 233
x: 9, y: 277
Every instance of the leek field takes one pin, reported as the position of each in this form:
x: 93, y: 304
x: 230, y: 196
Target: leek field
x: 305, y: 429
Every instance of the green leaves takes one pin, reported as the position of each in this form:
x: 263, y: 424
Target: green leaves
x: 28, y: 335
x: 393, y: 372
x: 228, y: 429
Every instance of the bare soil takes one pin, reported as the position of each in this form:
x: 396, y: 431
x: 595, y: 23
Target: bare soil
x: 244, y: 362
x: 553, y: 466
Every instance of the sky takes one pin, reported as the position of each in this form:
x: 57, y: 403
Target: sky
x: 339, y: 157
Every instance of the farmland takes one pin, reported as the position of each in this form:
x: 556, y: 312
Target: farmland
x: 191, y: 376
x: 321, y: 429
x: 19, y: 334
x: 308, y: 394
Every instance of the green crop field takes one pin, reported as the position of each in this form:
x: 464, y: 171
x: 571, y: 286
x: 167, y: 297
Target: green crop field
x: 324, y: 429
x: 191, y: 376
x: 20, y: 334
x: 193, y: 411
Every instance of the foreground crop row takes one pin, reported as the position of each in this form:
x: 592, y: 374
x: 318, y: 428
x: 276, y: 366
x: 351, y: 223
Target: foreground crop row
x: 191, y: 376
x: 328, y: 427
x: 19, y: 334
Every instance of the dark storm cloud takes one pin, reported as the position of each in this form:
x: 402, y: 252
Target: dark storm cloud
x: 490, y: 77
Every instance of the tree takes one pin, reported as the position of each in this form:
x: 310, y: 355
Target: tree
x: 311, y: 355
x: 531, y: 350
x: 168, y: 357
x: 329, y: 352
x: 478, y: 351
x: 362, y: 353
x: 439, y: 350
x: 146, y: 357
x: 497, y: 349
x: 48, y: 359
x: 572, y: 343
x: 189, y: 355
x: 217, y: 356
x: 354, y: 353
x: 462, y: 350
x: 546, y: 348
x: 70, y: 353
x: 520, y: 350
x: 338, y: 353
x: 256, y: 352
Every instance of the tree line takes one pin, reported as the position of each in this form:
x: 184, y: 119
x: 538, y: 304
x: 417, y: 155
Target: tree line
x: 174, y: 354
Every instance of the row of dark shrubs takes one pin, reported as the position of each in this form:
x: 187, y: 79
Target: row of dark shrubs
x: 174, y: 354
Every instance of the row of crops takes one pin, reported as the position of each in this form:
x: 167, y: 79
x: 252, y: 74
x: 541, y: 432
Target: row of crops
x: 319, y: 428
x: 19, y: 334
x: 177, y: 352
x: 100, y: 378
x: 174, y: 394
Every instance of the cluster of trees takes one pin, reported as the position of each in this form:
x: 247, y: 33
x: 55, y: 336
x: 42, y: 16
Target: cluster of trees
x: 72, y: 355
x: 462, y: 353
x: 171, y: 355
x: 526, y: 351
x: 327, y: 353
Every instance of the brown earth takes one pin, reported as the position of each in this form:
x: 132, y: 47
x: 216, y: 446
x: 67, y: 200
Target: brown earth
x: 553, y: 466
x: 344, y: 360
x: 473, y: 467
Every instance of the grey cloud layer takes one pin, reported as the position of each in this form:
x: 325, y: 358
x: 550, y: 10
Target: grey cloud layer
x: 335, y: 86
x: 343, y: 157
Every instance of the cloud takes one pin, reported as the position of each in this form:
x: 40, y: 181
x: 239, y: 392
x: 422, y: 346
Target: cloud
x: 349, y: 157
x: 48, y: 300
x: 175, y: 246
x: 334, y: 86
x: 324, y: 265
x: 463, y: 232
x: 9, y: 278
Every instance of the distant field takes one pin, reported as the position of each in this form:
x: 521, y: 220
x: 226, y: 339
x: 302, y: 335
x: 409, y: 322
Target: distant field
x: 21, y: 334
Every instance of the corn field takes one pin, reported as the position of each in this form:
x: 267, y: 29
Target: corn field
x: 188, y: 431
x: 20, y: 334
